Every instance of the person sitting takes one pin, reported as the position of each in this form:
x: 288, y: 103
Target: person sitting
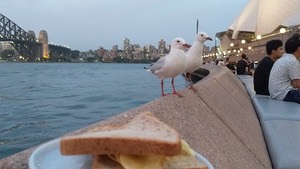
x: 242, y: 65
x: 284, y: 80
x: 274, y: 51
x: 229, y: 66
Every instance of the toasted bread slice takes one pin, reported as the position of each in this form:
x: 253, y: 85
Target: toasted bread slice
x: 143, y: 135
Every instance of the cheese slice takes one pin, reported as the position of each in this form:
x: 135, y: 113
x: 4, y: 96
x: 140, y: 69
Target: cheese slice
x: 140, y: 162
x: 155, y: 161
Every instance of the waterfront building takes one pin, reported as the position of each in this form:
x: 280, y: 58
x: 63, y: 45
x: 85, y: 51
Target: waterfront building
x: 162, y: 47
x: 149, y: 50
x: 127, y: 47
x: 126, y: 44
x: 115, y: 48
x: 259, y: 22
x: 109, y: 56
x: 135, y: 47
x: 6, y: 45
x: 138, y: 53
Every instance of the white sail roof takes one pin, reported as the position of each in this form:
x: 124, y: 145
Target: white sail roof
x: 264, y: 16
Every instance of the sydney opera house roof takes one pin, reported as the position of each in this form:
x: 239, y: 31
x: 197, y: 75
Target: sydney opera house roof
x: 262, y: 17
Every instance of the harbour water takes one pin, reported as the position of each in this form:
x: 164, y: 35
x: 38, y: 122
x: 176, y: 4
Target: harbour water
x: 42, y: 101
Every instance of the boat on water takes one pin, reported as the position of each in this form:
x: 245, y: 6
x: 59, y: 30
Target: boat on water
x: 149, y: 66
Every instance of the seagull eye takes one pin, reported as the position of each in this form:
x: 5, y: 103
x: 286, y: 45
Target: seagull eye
x: 178, y: 41
x: 201, y: 34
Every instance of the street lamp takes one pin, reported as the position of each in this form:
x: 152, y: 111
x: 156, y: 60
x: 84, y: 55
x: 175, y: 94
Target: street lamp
x: 243, y: 42
x: 282, y: 31
x: 258, y: 37
x: 231, y: 46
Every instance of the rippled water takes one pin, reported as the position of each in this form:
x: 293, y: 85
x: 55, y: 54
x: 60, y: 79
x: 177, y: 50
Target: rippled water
x: 42, y: 101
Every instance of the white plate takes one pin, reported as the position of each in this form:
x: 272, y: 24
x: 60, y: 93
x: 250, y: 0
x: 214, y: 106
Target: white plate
x: 48, y: 156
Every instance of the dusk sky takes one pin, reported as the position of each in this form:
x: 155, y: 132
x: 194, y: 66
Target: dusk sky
x: 87, y: 24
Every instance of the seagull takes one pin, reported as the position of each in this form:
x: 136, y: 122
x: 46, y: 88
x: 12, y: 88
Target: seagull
x: 171, y: 65
x: 194, y: 57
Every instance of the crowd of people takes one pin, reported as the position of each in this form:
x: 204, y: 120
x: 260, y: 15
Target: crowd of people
x: 278, y: 74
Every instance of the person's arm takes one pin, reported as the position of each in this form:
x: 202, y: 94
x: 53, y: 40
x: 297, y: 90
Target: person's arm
x: 294, y: 73
x: 296, y: 83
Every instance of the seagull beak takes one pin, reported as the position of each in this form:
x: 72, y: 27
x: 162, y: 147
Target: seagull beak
x: 187, y: 45
x: 208, y: 38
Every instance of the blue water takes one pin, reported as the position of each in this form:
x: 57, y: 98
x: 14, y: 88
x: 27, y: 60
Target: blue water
x: 42, y: 101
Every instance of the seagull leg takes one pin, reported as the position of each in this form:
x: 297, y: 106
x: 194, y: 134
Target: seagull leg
x: 191, y: 83
x: 162, y: 88
x: 174, y: 91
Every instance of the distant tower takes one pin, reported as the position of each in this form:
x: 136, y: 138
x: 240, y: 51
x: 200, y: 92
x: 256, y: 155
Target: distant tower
x: 43, y: 38
x: 31, y: 36
x: 115, y: 48
x: 126, y: 44
x: 161, y: 47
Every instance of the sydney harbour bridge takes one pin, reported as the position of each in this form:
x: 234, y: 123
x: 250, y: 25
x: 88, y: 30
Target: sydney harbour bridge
x: 26, y: 43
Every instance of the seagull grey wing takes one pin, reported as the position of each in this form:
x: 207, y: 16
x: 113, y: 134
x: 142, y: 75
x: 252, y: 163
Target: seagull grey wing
x: 157, y: 65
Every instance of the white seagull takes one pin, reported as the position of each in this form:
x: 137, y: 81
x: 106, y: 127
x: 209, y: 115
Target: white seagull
x: 171, y: 65
x: 194, y: 57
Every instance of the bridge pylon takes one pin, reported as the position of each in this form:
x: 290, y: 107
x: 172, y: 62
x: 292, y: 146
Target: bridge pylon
x: 43, y: 50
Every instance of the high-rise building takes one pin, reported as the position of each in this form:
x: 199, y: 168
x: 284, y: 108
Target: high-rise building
x: 101, y: 51
x: 162, y: 44
x: 126, y: 44
x: 6, y: 45
x: 161, y: 47
x: 115, y: 48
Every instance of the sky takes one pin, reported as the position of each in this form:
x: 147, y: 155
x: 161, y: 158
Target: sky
x: 87, y: 24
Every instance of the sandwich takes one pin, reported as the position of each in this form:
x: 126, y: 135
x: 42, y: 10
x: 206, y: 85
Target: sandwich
x: 143, y: 143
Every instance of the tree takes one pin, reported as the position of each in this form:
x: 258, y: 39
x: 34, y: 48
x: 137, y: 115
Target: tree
x: 75, y: 54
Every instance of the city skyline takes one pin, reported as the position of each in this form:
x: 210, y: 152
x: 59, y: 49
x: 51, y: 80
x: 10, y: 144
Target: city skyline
x: 85, y: 25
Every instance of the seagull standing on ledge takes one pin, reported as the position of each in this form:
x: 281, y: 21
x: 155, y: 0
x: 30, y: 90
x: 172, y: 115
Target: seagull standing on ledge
x: 171, y: 65
x: 194, y: 58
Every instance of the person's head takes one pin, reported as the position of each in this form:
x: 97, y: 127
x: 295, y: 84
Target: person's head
x: 274, y: 48
x: 292, y: 45
x: 243, y: 56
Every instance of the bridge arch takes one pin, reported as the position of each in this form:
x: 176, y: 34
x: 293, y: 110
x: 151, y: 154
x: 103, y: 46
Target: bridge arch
x: 26, y: 43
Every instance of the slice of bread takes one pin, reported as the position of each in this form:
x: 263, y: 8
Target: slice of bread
x: 143, y: 135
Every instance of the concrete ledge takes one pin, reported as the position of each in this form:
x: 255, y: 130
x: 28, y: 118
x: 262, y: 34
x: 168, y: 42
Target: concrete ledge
x: 283, y: 142
x: 268, y: 109
x: 218, y: 121
x: 247, y: 80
